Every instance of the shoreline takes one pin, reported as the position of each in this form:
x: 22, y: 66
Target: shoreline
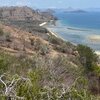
x: 95, y: 38
x: 42, y: 24
x: 53, y: 33
x: 56, y: 35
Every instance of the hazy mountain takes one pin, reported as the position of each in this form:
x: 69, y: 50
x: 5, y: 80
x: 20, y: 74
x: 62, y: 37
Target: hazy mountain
x: 69, y: 9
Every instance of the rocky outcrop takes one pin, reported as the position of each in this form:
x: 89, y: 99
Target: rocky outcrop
x: 22, y: 13
x: 26, y: 19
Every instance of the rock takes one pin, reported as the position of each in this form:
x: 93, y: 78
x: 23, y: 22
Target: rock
x: 23, y: 13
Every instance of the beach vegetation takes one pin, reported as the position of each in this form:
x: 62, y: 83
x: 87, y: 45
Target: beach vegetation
x: 55, y: 40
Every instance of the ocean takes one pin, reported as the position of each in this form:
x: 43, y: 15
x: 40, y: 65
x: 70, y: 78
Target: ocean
x: 79, y: 28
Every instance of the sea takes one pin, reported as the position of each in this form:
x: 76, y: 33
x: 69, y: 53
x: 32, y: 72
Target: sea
x: 79, y: 28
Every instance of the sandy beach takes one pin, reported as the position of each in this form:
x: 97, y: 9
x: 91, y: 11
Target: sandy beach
x: 42, y: 24
x: 94, y: 38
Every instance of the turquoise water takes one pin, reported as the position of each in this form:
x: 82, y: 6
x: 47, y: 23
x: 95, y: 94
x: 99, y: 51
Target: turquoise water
x: 78, y: 28
x: 90, y: 20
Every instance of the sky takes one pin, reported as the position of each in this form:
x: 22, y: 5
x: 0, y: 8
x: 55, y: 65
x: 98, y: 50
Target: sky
x: 52, y: 3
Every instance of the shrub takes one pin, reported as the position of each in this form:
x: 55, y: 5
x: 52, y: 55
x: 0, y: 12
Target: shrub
x: 55, y: 40
x: 8, y: 37
x: 87, y: 56
x: 64, y: 48
x: 43, y: 48
x: 1, y: 32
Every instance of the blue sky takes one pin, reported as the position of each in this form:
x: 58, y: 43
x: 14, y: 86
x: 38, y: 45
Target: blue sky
x: 52, y: 3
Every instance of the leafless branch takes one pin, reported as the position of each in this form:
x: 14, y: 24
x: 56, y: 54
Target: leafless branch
x: 9, y: 89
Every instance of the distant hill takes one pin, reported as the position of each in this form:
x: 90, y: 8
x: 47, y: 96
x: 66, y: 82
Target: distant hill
x: 25, y: 18
x: 69, y: 10
x: 77, y: 11
x: 72, y: 10
x: 22, y: 13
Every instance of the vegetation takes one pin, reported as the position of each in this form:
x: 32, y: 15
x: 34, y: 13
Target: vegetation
x: 42, y: 48
x: 61, y: 46
x: 27, y: 78
x: 40, y: 75
x: 5, y: 36
x: 87, y: 56
x: 1, y: 32
x: 55, y: 40
x: 8, y: 37
x: 89, y: 60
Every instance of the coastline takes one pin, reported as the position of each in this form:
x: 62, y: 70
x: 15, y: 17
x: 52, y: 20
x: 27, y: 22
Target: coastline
x: 56, y: 35
x: 53, y: 33
x: 42, y: 24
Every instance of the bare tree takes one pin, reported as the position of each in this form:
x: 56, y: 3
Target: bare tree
x: 9, y: 91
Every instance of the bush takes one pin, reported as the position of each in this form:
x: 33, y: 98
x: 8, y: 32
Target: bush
x: 87, y: 56
x: 1, y: 32
x: 8, y: 37
x: 55, y: 40
x: 36, y: 85
x: 31, y: 90
x: 65, y: 47
x: 43, y: 48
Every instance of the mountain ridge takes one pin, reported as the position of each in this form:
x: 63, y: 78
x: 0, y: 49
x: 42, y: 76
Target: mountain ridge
x: 22, y: 13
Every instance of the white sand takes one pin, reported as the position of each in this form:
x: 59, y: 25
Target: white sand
x: 97, y: 52
x: 95, y: 38
x: 52, y: 32
x: 42, y: 24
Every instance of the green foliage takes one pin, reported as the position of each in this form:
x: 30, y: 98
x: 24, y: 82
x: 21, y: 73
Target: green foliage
x: 1, y: 32
x: 61, y: 45
x: 4, y: 62
x: 44, y: 78
x: 97, y: 70
x: 12, y: 64
x: 87, y: 56
x: 78, y: 91
x: 30, y: 89
x: 65, y: 47
x: 55, y: 40
x: 3, y: 98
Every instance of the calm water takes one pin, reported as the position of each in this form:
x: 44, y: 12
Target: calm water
x: 82, y: 20
x: 78, y: 28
